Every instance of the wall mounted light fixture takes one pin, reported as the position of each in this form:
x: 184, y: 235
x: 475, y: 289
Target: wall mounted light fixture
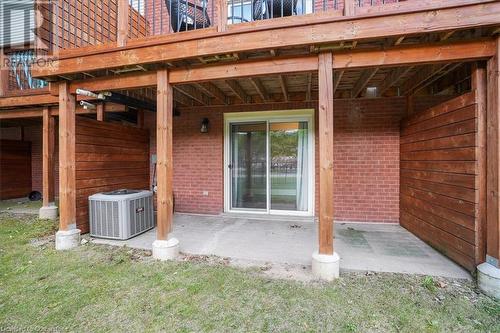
x: 204, y: 125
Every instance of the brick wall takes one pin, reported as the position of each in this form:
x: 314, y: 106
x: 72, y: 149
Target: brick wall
x: 366, y: 159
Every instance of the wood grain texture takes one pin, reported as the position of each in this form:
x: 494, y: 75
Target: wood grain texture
x: 15, y: 169
x: 48, y: 143
x: 164, y: 165
x: 440, y: 187
x: 493, y: 162
x: 325, y: 120
x: 108, y: 157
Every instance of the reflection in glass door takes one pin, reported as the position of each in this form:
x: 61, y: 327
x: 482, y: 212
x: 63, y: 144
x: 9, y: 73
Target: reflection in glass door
x: 249, y: 165
x: 288, y: 166
x: 270, y: 166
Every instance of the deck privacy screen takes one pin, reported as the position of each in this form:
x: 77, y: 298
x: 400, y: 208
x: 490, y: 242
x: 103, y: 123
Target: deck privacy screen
x: 108, y: 157
x: 15, y: 169
x: 439, y: 177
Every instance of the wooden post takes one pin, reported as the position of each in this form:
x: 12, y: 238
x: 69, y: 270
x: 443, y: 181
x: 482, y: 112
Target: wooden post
x: 164, y: 163
x: 48, y: 140
x: 100, y: 112
x: 478, y: 83
x: 410, y: 105
x: 67, y: 188
x: 123, y: 25
x: 493, y: 166
x: 140, y: 118
x: 325, y: 120
x: 349, y: 7
x: 4, y: 73
x: 222, y: 17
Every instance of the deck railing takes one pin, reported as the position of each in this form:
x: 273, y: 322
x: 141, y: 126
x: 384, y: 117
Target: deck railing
x: 71, y: 24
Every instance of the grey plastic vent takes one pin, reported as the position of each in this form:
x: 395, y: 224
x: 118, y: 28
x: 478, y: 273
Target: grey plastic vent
x: 121, y: 214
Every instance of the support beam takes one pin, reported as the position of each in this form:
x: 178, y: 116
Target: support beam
x: 326, y: 142
x: 123, y: 24
x: 68, y: 236
x: 488, y: 276
x: 415, y: 82
x: 237, y: 90
x: 392, y: 78
x: 362, y: 82
x: 18, y: 101
x: 493, y: 135
x: 129, y: 81
x: 337, y: 79
x: 194, y: 94
x: 284, y: 88
x: 164, y: 248
x: 261, y: 90
x: 140, y: 118
x: 213, y: 91
x: 325, y: 263
x: 100, y: 112
x: 49, y: 210
x: 478, y: 84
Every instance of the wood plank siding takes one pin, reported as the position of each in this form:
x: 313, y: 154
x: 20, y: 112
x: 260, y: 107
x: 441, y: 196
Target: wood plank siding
x: 108, y: 157
x: 439, y: 178
x: 15, y: 169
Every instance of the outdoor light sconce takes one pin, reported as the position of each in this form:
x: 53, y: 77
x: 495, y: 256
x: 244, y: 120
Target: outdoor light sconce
x: 204, y: 125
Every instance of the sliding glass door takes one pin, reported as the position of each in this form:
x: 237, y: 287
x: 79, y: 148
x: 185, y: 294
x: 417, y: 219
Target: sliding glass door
x: 270, y: 165
x: 249, y: 165
x: 288, y: 166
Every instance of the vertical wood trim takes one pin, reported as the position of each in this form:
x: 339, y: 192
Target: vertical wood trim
x: 493, y: 228
x: 325, y: 117
x: 164, y: 163
x: 67, y: 182
x: 410, y: 105
x: 48, y: 140
x: 122, y: 22
x: 4, y: 74
x: 140, y: 118
x: 478, y: 79
x: 222, y: 18
x: 100, y: 112
x: 349, y: 7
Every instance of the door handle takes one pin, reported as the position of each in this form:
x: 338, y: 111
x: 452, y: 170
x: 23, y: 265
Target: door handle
x: 230, y: 166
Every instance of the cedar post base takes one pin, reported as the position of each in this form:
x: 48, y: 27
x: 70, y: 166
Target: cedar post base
x: 67, y: 239
x: 488, y: 280
x: 325, y: 267
x: 166, y: 249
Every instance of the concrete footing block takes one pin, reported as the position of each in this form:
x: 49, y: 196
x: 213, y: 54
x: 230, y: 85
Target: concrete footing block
x: 67, y: 239
x: 325, y: 267
x: 488, y: 280
x: 166, y: 249
x: 48, y: 212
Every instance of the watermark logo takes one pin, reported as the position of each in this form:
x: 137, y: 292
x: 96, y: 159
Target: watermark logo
x: 22, y: 23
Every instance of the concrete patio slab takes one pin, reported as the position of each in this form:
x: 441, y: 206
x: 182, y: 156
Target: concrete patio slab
x: 286, y: 240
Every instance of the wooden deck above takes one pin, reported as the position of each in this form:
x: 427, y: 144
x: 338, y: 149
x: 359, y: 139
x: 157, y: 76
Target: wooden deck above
x: 402, y: 23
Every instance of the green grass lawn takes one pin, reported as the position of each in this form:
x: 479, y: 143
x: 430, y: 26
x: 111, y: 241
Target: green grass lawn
x: 102, y: 289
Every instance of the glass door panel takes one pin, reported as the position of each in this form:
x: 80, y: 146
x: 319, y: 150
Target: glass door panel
x: 249, y: 165
x: 289, y: 166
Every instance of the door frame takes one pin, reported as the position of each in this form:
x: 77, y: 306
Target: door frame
x: 270, y: 116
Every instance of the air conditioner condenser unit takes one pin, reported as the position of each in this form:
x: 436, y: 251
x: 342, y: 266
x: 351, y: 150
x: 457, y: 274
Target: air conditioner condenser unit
x: 121, y: 214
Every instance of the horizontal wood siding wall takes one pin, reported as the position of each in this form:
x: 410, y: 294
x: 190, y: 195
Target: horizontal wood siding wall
x: 15, y: 169
x: 439, y: 177
x: 108, y: 157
